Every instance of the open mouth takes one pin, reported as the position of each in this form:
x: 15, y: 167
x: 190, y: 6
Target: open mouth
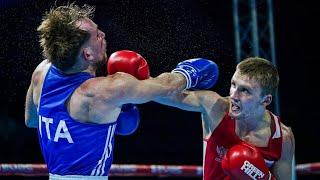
x: 235, y: 108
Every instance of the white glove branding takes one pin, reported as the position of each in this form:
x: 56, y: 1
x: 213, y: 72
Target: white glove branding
x: 252, y: 171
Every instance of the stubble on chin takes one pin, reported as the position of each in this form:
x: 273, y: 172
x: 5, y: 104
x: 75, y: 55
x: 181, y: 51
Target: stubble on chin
x: 103, y: 60
x: 235, y: 116
x: 105, y: 57
x: 101, y: 66
x: 232, y: 115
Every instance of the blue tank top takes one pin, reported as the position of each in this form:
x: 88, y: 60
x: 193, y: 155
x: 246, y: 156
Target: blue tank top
x: 68, y: 146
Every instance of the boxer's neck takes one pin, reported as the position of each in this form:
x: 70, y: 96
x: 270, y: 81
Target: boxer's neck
x: 252, y: 124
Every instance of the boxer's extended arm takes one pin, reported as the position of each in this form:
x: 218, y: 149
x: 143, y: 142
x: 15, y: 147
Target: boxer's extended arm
x: 283, y: 168
x: 134, y: 91
x: 197, y: 101
x: 211, y: 105
x: 128, y: 89
x: 192, y: 73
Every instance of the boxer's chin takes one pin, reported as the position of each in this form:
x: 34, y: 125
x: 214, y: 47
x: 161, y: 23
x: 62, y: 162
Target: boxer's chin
x: 235, y: 114
x: 100, y: 63
x: 102, y: 60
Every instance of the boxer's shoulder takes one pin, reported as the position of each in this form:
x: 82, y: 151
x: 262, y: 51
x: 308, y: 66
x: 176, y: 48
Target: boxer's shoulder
x: 40, y: 71
x: 288, y: 137
x: 37, y: 79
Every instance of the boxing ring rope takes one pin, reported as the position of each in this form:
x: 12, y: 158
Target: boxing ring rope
x: 137, y: 170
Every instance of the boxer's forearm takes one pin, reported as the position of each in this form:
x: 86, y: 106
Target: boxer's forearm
x: 137, y: 92
x: 186, y: 100
x: 174, y: 81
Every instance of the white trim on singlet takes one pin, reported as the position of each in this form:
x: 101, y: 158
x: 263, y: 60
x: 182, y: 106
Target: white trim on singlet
x: 269, y: 163
x: 99, y: 169
x: 277, y: 133
x: 204, y: 154
x: 74, y: 177
x: 270, y: 176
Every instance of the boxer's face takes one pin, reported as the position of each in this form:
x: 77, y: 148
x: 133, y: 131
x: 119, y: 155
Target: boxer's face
x: 96, y: 42
x: 245, y: 97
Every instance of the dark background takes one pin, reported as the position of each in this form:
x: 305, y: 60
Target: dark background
x: 164, y: 32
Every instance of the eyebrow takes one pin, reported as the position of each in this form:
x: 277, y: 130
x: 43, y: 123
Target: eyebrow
x: 246, y: 87
x: 241, y: 85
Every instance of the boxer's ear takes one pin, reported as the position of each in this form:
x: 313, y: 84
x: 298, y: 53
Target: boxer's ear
x: 87, y: 54
x: 267, y: 99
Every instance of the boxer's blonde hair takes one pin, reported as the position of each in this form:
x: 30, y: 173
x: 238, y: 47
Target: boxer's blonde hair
x: 61, y: 37
x: 261, y: 70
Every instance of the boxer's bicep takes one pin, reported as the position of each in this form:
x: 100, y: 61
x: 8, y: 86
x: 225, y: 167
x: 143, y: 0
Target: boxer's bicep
x: 141, y: 91
x: 284, y: 167
x: 148, y: 90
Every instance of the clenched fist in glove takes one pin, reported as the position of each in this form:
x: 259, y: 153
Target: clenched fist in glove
x: 200, y: 73
x: 129, y: 62
x: 245, y: 162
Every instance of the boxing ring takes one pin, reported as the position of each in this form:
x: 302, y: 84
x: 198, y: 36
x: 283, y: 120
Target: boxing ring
x: 137, y: 170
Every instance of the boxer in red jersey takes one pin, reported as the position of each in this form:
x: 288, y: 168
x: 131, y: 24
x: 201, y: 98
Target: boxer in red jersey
x: 242, y: 139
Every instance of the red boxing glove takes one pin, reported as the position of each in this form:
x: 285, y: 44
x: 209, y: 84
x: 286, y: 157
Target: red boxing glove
x: 129, y: 62
x: 245, y: 162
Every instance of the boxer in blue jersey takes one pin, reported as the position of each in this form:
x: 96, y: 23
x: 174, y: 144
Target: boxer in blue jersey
x: 77, y: 114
